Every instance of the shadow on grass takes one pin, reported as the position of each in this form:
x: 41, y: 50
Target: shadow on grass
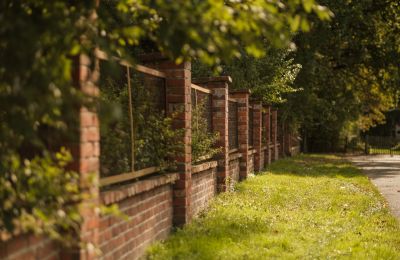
x: 234, y: 232
x: 315, y: 166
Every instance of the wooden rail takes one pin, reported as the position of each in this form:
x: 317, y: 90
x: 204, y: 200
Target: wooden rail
x: 127, y: 176
x: 204, y: 90
x: 146, y: 70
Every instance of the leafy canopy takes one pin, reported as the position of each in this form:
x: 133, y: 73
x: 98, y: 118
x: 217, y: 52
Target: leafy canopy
x: 350, y: 72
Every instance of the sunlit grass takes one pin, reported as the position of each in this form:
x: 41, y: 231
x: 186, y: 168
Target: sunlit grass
x: 309, y: 206
x: 384, y: 151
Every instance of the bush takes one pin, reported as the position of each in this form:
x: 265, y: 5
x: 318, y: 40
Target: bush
x: 203, y: 140
x: 40, y: 196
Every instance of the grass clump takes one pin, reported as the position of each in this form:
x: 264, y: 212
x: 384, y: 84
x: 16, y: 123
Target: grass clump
x: 308, y: 206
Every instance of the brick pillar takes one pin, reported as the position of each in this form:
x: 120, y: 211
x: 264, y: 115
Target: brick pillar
x: 178, y: 98
x: 274, y: 129
x: 219, y: 87
x: 286, y: 140
x: 282, y: 141
x: 86, y: 154
x: 268, y: 134
x: 257, y: 130
x: 242, y: 96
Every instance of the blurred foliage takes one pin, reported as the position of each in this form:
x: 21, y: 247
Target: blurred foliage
x: 203, y: 140
x: 40, y: 196
x: 38, y: 114
x: 212, y: 31
x: 350, y: 71
x: 269, y: 78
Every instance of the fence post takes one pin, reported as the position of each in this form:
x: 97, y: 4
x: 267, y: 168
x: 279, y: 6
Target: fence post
x: 274, y: 135
x: 268, y: 135
x: 85, y: 150
x: 178, y: 99
x: 220, y: 88
x: 257, y: 130
x: 242, y: 96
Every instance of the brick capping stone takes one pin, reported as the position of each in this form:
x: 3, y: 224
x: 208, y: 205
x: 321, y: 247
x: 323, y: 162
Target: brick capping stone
x: 234, y: 156
x: 204, y: 166
x: 251, y: 151
x: 122, y: 192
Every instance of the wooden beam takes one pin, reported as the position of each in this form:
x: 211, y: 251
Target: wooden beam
x: 146, y: 70
x: 204, y: 90
x: 127, y: 176
x: 150, y: 71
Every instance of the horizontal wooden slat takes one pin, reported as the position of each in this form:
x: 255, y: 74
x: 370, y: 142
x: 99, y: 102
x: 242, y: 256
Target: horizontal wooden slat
x: 204, y: 90
x: 146, y: 70
x: 233, y: 150
x: 150, y: 71
x: 127, y: 176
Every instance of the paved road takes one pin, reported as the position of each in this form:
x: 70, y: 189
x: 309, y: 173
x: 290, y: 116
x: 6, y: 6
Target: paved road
x: 384, y: 172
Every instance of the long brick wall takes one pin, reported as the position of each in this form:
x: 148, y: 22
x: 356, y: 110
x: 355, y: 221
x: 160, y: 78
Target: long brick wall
x: 153, y: 205
x: 250, y: 163
x: 234, y: 169
x: 204, y: 186
x: 262, y: 159
x: 29, y: 247
x: 147, y: 205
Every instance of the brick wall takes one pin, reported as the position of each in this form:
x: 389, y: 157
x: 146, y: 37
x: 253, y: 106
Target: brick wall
x: 274, y: 130
x: 234, y: 169
x: 250, y: 163
x: 155, y: 204
x: 178, y: 98
x: 148, y: 207
x: 204, y: 185
x: 29, y: 247
x: 220, y: 93
x: 262, y: 158
x: 242, y: 97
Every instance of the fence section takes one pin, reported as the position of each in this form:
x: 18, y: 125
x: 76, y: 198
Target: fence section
x: 132, y: 116
x: 144, y: 110
x: 382, y: 145
x: 251, y: 127
x: 233, y: 125
x: 202, y: 102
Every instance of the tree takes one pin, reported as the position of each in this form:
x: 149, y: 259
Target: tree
x: 349, y: 73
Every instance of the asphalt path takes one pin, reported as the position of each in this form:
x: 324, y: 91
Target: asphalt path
x: 384, y: 172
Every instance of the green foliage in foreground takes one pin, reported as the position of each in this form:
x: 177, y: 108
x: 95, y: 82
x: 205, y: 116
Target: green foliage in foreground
x: 41, y: 197
x: 309, y: 207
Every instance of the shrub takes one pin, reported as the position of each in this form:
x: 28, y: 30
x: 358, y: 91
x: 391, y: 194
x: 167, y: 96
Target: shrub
x: 203, y: 140
x: 40, y: 196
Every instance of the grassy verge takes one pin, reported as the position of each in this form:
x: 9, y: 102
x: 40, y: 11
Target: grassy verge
x: 309, y: 206
x: 384, y: 151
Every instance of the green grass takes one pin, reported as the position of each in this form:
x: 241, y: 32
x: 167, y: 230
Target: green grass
x: 384, y: 151
x: 309, y: 206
